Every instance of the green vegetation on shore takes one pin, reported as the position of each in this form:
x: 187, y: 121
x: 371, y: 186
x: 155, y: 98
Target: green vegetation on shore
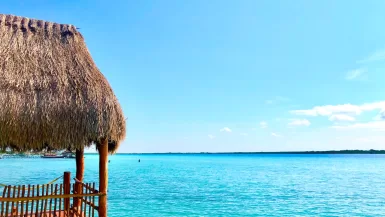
x: 371, y: 151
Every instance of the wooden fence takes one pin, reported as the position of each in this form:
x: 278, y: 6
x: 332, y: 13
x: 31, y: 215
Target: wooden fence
x: 51, y: 200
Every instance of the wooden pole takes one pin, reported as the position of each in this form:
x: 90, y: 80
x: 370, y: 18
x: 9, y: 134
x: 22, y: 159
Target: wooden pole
x: 79, y: 174
x: 67, y: 188
x: 80, y: 164
x: 103, y: 177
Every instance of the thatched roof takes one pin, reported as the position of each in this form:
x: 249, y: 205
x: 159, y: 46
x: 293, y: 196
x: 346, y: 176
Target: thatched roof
x: 51, y: 91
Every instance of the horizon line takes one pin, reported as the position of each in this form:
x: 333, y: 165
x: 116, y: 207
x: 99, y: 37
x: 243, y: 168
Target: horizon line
x: 261, y: 152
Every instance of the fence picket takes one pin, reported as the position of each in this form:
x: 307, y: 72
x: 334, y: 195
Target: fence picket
x: 27, y: 203
x: 33, y: 202
x: 37, y: 201
x: 22, y: 202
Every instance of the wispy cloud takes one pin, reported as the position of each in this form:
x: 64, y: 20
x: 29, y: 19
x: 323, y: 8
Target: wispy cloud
x: 275, y: 135
x: 380, y: 116
x: 376, y: 56
x: 226, y: 129
x: 365, y: 139
x: 244, y: 134
x: 373, y: 125
x: 263, y: 124
x: 299, y: 122
x: 211, y: 136
x: 341, y: 117
x: 277, y: 99
x: 355, y: 74
x: 328, y: 110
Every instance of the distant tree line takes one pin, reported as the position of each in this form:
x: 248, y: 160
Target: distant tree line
x: 371, y: 151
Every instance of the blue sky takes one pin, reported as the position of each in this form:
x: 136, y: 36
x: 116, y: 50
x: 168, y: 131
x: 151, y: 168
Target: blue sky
x: 243, y: 75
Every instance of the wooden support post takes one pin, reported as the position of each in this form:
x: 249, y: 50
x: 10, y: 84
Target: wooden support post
x: 79, y: 174
x: 79, y: 164
x: 67, y: 189
x: 103, y: 177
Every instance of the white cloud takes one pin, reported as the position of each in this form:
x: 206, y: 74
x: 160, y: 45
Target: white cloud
x: 263, y: 124
x: 376, y: 56
x: 275, y: 135
x: 211, y: 136
x: 328, y: 110
x: 365, y: 139
x: 380, y: 116
x: 299, y: 122
x: 373, y: 125
x: 244, y: 134
x: 354, y: 74
x: 277, y: 99
x: 341, y: 117
x: 226, y: 129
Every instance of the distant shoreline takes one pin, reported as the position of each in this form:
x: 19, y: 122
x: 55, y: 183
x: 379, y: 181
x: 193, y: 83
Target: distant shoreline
x: 262, y: 153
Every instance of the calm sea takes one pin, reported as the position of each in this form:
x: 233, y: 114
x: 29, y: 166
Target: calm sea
x: 226, y: 185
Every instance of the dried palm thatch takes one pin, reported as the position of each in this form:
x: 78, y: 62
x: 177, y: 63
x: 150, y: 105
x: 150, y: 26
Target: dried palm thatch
x: 51, y: 91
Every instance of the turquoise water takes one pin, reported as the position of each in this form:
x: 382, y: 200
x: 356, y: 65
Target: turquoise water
x: 226, y: 185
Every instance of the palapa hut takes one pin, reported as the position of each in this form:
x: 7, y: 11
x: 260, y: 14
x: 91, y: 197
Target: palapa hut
x: 53, y: 94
